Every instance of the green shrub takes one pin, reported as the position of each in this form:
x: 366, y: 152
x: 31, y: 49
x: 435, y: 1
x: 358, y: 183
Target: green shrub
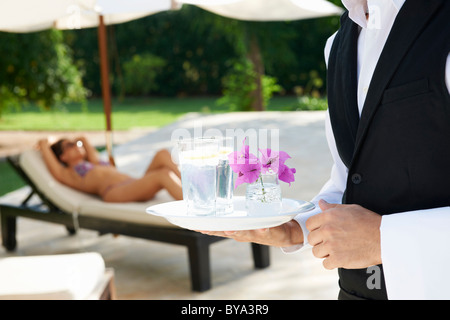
x: 309, y: 103
x: 140, y: 73
x: 240, y: 83
x: 38, y: 67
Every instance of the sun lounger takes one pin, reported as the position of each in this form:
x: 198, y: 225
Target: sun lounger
x: 73, y: 209
x: 77, y: 276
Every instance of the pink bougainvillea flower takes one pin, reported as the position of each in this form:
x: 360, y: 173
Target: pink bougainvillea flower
x: 269, y: 161
x: 283, y: 156
x: 249, y: 167
x: 245, y: 164
x: 286, y: 174
x: 272, y: 160
x: 248, y: 174
x: 237, y: 158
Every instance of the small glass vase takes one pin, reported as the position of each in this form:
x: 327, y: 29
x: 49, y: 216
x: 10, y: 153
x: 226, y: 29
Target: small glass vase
x: 263, y: 197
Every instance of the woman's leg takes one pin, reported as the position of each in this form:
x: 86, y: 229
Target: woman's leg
x: 146, y: 187
x: 162, y: 159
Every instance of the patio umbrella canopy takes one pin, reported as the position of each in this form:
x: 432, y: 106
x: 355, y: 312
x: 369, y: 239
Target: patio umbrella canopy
x: 30, y: 15
x: 268, y: 10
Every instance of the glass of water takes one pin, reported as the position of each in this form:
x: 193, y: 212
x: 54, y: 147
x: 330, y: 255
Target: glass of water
x: 224, y: 192
x: 199, y: 159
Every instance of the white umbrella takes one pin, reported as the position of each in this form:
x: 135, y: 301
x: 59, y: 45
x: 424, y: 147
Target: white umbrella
x: 31, y: 15
x: 268, y: 10
x: 113, y: 12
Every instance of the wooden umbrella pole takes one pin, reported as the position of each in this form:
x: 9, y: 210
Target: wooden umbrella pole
x: 106, y: 90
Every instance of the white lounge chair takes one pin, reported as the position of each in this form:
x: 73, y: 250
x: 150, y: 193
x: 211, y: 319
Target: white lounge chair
x: 66, y: 206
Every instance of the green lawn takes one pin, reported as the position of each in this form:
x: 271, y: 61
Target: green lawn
x: 9, y: 179
x: 140, y: 112
x: 126, y: 114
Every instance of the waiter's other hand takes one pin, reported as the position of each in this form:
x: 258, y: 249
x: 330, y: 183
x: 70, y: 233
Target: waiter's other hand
x: 345, y: 236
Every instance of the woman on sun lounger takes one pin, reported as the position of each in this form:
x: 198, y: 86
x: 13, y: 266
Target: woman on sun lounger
x: 77, y: 165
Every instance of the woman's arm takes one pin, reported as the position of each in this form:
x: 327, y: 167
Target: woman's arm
x: 53, y: 164
x: 91, y: 153
x: 58, y: 171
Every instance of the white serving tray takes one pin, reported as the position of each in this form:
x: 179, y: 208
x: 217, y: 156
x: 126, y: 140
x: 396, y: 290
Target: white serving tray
x: 176, y: 213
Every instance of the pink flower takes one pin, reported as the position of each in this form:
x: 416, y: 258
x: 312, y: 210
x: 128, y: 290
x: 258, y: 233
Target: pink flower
x: 272, y: 160
x: 286, y: 174
x: 248, y: 174
x: 245, y: 164
x: 249, y: 167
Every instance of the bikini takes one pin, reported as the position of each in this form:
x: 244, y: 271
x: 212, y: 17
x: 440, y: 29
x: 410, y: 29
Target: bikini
x: 84, y: 167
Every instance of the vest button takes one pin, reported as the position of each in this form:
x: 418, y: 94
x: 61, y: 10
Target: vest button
x: 356, y: 178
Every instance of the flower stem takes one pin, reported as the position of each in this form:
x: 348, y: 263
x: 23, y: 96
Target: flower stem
x: 262, y: 188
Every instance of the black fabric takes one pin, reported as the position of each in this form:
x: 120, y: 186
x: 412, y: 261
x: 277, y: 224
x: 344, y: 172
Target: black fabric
x: 344, y: 295
x: 342, y: 88
x: 398, y: 152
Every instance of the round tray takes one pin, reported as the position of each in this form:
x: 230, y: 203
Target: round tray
x: 176, y: 213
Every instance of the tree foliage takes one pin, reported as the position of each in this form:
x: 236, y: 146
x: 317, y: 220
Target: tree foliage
x: 140, y: 73
x: 199, y: 48
x: 38, y: 67
x: 240, y: 84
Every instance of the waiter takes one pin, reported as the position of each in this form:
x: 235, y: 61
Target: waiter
x: 383, y: 218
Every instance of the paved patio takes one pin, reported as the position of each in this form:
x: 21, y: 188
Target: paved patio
x: 153, y: 270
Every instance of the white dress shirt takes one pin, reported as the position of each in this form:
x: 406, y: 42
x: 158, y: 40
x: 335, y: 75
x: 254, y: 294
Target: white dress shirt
x: 414, y: 245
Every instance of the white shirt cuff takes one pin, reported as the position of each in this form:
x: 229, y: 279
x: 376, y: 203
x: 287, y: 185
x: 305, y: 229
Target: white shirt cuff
x: 301, y: 219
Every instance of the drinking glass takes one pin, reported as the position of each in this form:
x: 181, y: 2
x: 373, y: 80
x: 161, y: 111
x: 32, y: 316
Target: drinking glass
x: 199, y: 159
x: 224, y: 192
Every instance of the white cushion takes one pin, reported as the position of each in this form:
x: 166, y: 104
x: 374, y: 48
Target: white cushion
x: 66, y: 198
x: 130, y: 212
x: 56, y: 277
x: 73, y: 201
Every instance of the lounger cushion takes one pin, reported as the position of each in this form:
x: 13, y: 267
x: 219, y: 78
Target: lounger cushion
x: 53, y: 277
x: 129, y: 212
x: 73, y: 201
x: 63, y: 197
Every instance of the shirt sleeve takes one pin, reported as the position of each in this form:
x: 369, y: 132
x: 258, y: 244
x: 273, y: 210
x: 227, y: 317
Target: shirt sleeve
x: 415, y: 255
x: 447, y: 73
x: 331, y: 192
x: 414, y: 250
x: 333, y: 189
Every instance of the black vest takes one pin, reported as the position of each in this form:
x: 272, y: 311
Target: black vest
x: 398, y: 152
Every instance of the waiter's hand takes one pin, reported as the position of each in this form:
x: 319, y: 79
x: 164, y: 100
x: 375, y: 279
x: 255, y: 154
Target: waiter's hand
x: 285, y: 235
x: 346, y: 236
